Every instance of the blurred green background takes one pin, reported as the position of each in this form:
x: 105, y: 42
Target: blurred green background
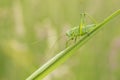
x: 29, y: 29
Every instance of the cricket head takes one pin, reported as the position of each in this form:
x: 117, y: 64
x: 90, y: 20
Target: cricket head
x: 68, y: 34
x: 72, y: 33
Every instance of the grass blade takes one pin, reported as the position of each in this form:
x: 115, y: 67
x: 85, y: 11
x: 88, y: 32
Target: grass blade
x: 66, y: 53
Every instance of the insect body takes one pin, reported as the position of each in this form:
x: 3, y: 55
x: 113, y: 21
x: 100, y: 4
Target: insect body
x: 75, y: 32
x: 80, y: 30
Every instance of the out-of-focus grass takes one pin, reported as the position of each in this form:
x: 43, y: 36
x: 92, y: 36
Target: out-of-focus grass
x: 24, y: 22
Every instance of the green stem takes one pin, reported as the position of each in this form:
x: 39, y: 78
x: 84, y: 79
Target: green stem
x: 66, y: 53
